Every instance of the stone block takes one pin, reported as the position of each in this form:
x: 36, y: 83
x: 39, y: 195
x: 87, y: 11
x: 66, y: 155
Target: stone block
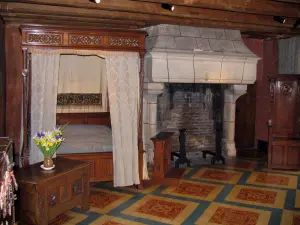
x: 187, y: 31
x: 165, y: 42
x: 207, y: 33
x: 232, y: 72
x: 185, y: 43
x: 167, y: 29
x: 221, y: 45
x: 220, y: 34
x: 240, y: 47
x: 203, y: 44
x: 233, y: 34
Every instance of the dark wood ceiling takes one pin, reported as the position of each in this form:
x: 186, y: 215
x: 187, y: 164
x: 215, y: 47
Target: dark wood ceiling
x: 252, y: 17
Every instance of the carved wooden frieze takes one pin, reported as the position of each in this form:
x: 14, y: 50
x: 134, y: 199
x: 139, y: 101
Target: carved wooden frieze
x: 100, y: 39
x: 79, y: 99
x: 75, y: 39
x: 123, y: 42
x: 47, y: 38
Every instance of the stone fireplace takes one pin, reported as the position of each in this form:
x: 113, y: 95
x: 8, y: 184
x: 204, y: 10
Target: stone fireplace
x: 199, y: 57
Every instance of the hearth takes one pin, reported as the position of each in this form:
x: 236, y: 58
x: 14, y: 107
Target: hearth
x: 197, y: 109
x: 195, y: 57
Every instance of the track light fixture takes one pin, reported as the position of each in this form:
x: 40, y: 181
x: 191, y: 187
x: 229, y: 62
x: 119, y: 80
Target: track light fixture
x: 279, y: 19
x: 168, y: 7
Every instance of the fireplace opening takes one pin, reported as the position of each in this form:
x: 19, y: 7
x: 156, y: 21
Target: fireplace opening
x: 198, y: 108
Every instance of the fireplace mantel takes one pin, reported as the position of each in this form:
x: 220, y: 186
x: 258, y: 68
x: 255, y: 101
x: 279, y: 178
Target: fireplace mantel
x: 180, y: 54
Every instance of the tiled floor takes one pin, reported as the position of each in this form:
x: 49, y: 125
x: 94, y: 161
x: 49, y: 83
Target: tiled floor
x: 242, y: 193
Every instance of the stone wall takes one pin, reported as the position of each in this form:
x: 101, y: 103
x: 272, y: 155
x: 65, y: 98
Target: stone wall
x: 190, y: 112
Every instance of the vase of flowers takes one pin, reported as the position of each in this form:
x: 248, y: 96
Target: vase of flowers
x: 48, y: 142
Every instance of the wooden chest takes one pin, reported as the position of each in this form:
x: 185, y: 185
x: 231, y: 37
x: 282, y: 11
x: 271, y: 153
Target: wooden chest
x: 46, y: 194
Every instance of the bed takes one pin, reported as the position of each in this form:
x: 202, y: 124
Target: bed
x: 88, y: 138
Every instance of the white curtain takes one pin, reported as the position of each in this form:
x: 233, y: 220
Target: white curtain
x: 123, y: 89
x: 44, y: 97
x: 82, y: 74
x: 288, y: 58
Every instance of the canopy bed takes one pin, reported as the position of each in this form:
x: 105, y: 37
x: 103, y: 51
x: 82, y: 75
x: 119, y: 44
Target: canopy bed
x: 122, y: 160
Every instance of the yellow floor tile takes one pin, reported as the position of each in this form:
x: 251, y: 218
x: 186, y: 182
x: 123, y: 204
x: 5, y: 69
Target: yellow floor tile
x: 103, y: 201
x: 257, y: 196
x: 290, y: 218
x: 297, y: 200
x: 196, y: 190
x: 161, y: 209
x: 111, y: 220
x: 224, y: 214
x: 271, y: 179
x: 218, y: 175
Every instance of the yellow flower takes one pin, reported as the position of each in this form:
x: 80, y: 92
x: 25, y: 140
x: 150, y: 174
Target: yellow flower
x: 50, y: 144
x: 47, y: 149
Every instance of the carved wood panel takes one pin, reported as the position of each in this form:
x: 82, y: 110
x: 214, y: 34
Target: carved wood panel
x: 45, y: 39
x: 81, y: 39
x: 78, y: 39
x: 123, y: 42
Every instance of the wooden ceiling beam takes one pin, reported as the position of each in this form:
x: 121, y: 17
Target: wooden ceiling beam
x: 149, y: 19
x: 262, y: 7
x: 86, y: 19
x: 155, y: 10
x: 20, y: 20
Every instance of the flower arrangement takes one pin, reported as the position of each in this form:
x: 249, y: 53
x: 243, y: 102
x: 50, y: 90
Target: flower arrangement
x: 48, y: 142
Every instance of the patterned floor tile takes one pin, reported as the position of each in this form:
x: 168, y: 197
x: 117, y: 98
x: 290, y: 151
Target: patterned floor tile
x: 69, y: 218
x: 218, y: 175
x: 146, y: 190
x: 290, y: 218
x: 224, y: 214
x: 161, y: 209
x: 103, y: 201
x: 257, y: 196
x: 282, y: 171
x: 271, y: 179
x: 196, y: 190
x: 111, y: 220
x: 249, y: 166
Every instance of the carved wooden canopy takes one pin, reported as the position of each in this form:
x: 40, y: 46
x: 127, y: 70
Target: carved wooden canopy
x: 112, y: 40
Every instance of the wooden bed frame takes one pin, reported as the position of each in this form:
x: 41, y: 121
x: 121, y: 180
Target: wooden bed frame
x: 101, y: 163
x: 78, y: 39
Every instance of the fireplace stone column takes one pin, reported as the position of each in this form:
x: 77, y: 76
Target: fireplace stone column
x: 151, y: 92
x: 231, y: 94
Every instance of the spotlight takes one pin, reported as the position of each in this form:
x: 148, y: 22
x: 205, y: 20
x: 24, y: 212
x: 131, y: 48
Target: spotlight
x: 168, y: 6
x: 279, y: 19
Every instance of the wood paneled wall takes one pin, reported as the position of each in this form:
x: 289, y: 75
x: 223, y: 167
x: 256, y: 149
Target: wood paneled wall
x: 267, y: 50
x: 14, y: 63
x: 2, y: 81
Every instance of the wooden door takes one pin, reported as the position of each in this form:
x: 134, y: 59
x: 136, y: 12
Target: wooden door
x: 284, y: 111
x: 245, y: 119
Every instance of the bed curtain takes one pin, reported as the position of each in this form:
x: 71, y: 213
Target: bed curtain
x: 43, y: 98
x: 123, y: 90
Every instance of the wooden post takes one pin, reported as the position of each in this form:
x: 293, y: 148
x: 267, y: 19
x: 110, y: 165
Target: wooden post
x: 140, y: 121
x: 26, y: 108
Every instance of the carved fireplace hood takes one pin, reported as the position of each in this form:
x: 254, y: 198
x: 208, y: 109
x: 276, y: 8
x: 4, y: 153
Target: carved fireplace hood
x: 181, y: 54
